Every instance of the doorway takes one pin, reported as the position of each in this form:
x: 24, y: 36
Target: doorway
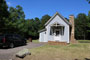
x: 57, y: 35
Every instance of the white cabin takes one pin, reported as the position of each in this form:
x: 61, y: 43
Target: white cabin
x: 57, y: 28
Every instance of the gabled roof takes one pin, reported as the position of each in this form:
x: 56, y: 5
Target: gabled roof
x: 55, y: 16
x: 42, y: 30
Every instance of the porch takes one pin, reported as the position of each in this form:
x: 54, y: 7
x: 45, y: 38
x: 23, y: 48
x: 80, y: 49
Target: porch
x: 57, y: 32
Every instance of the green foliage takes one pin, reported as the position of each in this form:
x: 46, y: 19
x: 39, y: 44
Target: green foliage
x: 88, y: 25
x: 13, y: 20
x: 81, y: 26
x: 33, y: 26
x: 44, y: 19
x: 17, y: 20
x: 88, y: 1
x: 3, y: 15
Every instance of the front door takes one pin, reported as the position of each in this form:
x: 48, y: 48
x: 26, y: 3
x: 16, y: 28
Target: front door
x: 57, y: 36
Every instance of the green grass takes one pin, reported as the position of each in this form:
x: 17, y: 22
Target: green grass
x: 78, y: 51
x: 35, y: 41
x: 84, y: 41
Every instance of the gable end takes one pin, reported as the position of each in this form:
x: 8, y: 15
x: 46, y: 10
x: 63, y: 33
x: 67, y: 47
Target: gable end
x: 55, y: 16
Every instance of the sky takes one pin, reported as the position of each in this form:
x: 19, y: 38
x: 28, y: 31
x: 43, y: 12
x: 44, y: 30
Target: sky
x: 39, y: 8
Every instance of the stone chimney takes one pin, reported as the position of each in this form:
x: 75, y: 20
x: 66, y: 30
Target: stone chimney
x: 71, y: 20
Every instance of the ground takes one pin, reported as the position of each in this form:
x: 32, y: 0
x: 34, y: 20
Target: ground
x: 43, y: 51
x: 79, y: 51
x: 9, y: 53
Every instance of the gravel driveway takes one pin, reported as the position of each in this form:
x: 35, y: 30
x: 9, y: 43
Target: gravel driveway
x: 7, y: 54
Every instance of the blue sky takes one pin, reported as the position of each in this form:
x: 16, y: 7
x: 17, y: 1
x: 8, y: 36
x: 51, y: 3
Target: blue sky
x: 38, y: 8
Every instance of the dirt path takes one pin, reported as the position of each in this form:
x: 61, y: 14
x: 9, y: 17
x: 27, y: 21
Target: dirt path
x: 6, y: 54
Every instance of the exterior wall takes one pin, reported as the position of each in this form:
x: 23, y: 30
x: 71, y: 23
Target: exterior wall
x: 65, y: 37
x: 42, y: 37
x: 47, y: 37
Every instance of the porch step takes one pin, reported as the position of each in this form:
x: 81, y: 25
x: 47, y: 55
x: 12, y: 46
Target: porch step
x: 56, y: 43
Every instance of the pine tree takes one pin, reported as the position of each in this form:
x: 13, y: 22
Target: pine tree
x: 4, y: 14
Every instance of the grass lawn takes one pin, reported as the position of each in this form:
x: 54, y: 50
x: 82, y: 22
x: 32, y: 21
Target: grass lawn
x: 35, y: 41
x: 84, y: 41
x: 79, y: 51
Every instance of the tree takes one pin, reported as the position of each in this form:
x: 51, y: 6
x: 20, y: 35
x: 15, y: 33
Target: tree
x: 44, y: 19
x: 81, y: 26
x: 17, y: 20
x: 37, y: 25
x: 33, y: 27
x: 3, y: 15
x: 88, y: 1
x: 88, y: 25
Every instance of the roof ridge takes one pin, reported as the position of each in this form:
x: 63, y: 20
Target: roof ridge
x: 59, y: 16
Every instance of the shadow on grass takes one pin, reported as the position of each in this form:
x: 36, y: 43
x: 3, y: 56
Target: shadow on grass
x: 85, y: 59
x: 84, y: 41
x: 76, y: 59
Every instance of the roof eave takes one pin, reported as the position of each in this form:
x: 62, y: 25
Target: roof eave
x: 54, y: 16
x: 42, y: 30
